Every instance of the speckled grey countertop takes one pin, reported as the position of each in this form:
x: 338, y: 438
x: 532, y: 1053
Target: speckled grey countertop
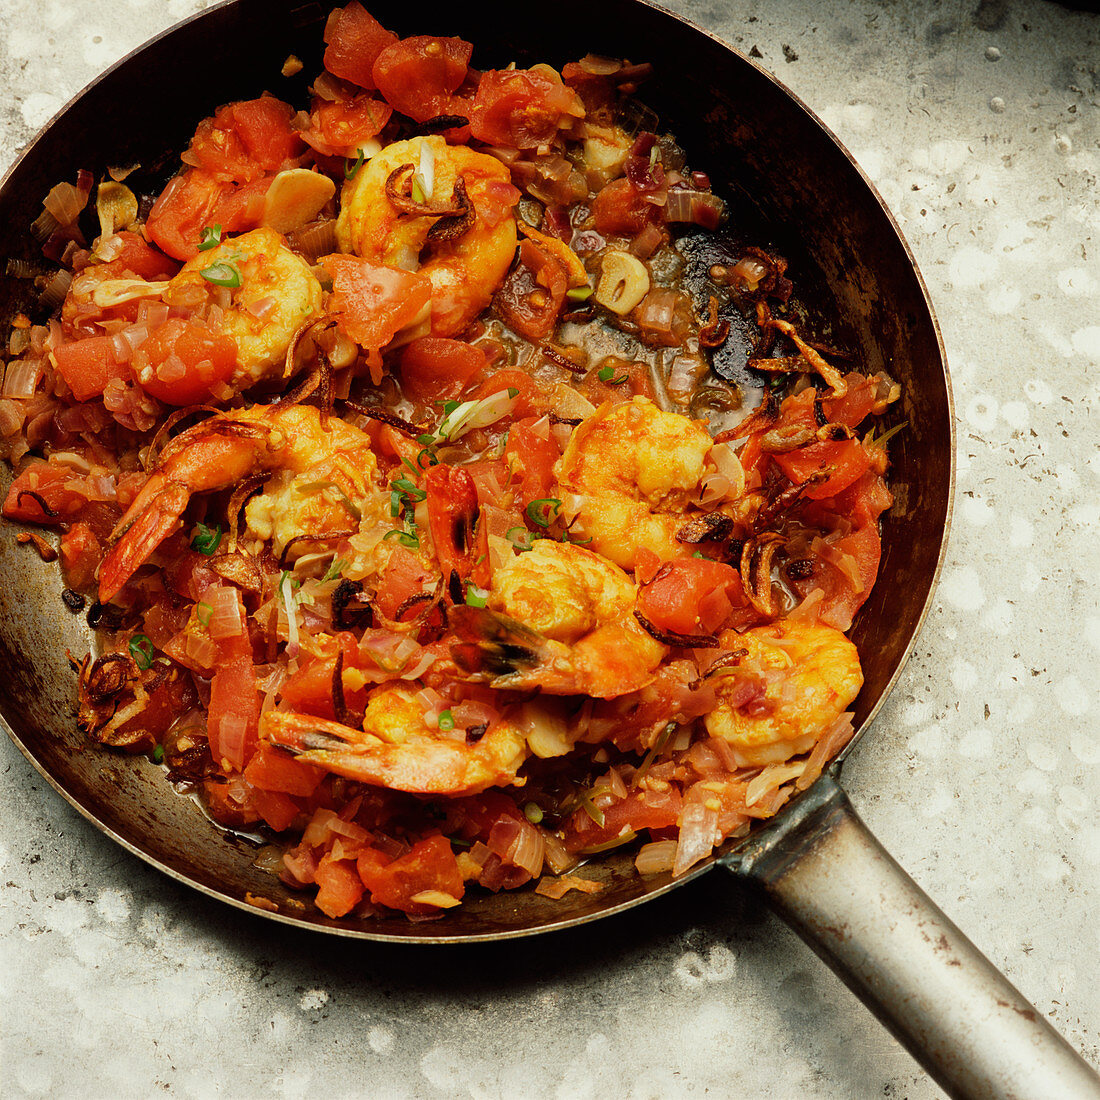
x: 978, y: 122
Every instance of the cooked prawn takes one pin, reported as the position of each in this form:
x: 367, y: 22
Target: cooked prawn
x: 277, y: 296
x: 465, y: 272
x: 792, y: 682
x: 396, y: 748
x: 324, y: 482
x: 559, y: 618
x: 636, y: 470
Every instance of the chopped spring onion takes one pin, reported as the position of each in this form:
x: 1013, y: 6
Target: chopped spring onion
x: 533, y: 812
x: 223, y: 274
x: 142, y: 651
x: 659, y: 747
x: 544, y: 511
x: 607, y: 374
x: 705, y: 557
x: 476, y: 597
x: 521, y: 538
x: 206, y: 539
x: 158, y: 754
x: 418, y: 192
x: 567, y: 537
x: 211, y: 237
x: 885, y: 438
x: 342, y: 498
x: 203, y: 611
x: 291, y: 604
x: 353, y: 166
x: 408, y: 489
x: 590, y: 807
x: 579, y: 293
x: 458, y: 419
x: 425, y: 440
x: 427, y: 457
x: 334, y: 570
x: 412, y: 542
x: 446, y: 721
x: 426, y: 174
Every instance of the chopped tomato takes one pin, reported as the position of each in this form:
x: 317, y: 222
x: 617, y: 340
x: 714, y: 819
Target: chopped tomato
x: 141, y: 259
x: 431, y: 865
x: 374, y: 302
x: 185, y: 207
x: 278, y: 810
x: 355, y: 39
x: 641, y: 810
x: 403, y: 576
x: 271, y: 769
x: 531, y: 457
x: 229, y: 802
x: 341, y: 887
x: 626, y: 379
x: 531, y: 296
x: 58, y: 487
x: 185, y: 360
x: 310, y: 688
x: 81, y: 554
x: 245, y: 139
x: 437, y: 367
x: 165, y: 619
x: 337, y: 127
x: 838, y: 465
x: 88, y: 365
x: 621, y: 208
x: 234, y: 711
x: 691, y: 596
x: 856, y: 404
x: 522, y: 108
x: 241, y: 207
x: 419, y: 75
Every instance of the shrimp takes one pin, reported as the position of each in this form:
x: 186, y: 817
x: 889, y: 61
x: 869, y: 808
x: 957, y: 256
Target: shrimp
x: 396, y: 748
x: 325, y: 481
x: 559, y: 618
x: 636, y: 469
x: 465, y: 271
x: 793, y: 681
x: 276, y: 297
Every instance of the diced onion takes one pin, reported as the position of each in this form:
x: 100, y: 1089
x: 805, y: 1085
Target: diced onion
x: 225, y: 615
x: 558, y: 857
x: 657, y: 856
x: 770, y: 779
x: 528, y: 849
x: 21, y: 379
x: 11, y: 418
x: 696, y: 841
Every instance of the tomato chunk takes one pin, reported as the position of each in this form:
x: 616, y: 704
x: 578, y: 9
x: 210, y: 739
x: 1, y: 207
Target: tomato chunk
x: 245, y: 139
x: 621, y: 208
x: 185, y: 360
x: 338, y: 127
x: 437, y: 367
x: 837, y: 465
x: 341, y: 887
x: 691, y: 596
x: 88, y: 365
x: 531, y: 296
x: 419, y: 75
x: 521, y: 108
x: 183, y: 209
x: 431, y: 865
x: 355, y: 39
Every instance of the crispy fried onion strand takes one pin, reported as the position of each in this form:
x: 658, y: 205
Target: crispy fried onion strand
x: 757, y: 556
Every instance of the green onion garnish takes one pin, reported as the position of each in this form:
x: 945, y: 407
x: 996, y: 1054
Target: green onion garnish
x: 203, y: 611
x: 543, y: 511
x: 607, y: 374
x: 521, y: 538
x: 353, y: 166
x: 590, y: 807
x: 413, y: 492
x: 425, y: 440
x: 533, y: 812
x: 334, y: 570
x: 158, y: 754
x: 428, y: 454
x: 211, y: 238
x: 476, y: 597
x: 206, y: 539
x: 418, y: 189
x: 446, y: 721
x: 403, y: 537
x: 142, y: 651
x: 223, y: 274
x: 579, y: 293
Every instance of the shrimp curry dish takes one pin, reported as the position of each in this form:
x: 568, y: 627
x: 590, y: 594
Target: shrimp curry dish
x: 393, y: 450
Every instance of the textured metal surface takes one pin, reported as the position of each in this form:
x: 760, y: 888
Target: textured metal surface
x: 854, y: 272
x: 835, y: 884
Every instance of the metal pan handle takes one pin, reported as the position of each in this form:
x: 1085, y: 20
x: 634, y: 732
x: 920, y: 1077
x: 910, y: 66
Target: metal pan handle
x: 842, y: 892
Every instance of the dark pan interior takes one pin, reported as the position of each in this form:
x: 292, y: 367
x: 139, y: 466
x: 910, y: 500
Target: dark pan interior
x: 788, y: 183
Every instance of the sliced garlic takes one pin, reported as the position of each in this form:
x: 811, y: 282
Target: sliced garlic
x: 624, y: 282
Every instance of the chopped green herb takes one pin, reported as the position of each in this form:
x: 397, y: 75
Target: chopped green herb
x: 533, y: 812
x: 211, y: 238
x: 426, y: 440
x: 403, y: 537
x: 206, y: 539
x: 659, y: 747
x: 521, y: 538
x: 428, y: 454
x: 544, y: 511
x: 342, y: 497
x: 886, y: 436
x: 418, y: 190
x: 406, y: 487
x: 590, y: 807
x: 476, y: 597
x: 158, y: 754
x: 446, y: 721
x: 705, y: 557
x: 579, y: 293
x: 334, y: 570
x: 142, y: 651
x: 513, y: 392
x: 607, y: 374
x: 353, y: 166
x: 567, y: 537
x: 449, y: 407
x: 203, y: 611
x: 223, y: 274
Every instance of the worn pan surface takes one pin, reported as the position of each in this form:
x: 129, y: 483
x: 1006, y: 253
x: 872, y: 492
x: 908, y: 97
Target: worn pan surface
x: 789, y: 184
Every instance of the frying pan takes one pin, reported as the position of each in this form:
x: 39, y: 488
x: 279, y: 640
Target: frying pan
x: 789, y: 183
